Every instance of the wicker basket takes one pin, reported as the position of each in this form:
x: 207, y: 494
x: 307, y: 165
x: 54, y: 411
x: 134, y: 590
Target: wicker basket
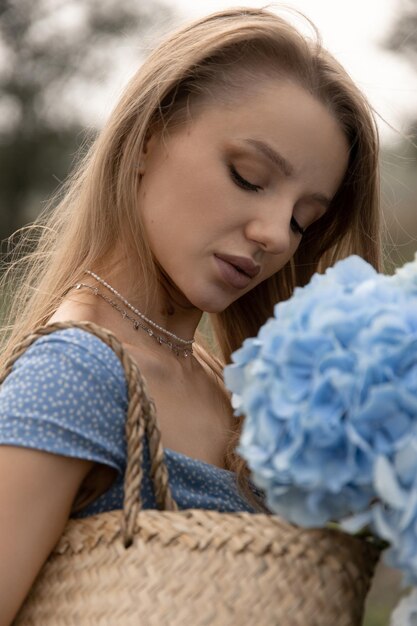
x: 192, y: 567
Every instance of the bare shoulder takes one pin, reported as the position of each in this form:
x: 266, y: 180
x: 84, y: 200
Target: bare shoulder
x: 79, y: 306
x: 83, y: 306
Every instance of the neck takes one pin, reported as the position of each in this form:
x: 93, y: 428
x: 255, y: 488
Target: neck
x: 167, y: 314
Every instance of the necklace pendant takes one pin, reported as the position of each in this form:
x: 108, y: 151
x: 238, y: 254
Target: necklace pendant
x: 150, y: 332
x: 136, y: 325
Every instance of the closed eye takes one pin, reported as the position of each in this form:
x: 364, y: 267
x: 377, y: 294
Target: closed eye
x: 295, y: 227
x: 242, y: 182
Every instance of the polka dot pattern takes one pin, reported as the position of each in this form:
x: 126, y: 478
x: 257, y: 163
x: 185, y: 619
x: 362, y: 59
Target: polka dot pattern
x: 67, y: 395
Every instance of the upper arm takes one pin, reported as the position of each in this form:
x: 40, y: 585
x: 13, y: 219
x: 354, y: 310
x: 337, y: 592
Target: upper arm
x: 62, y: 424
x: 37, y: 490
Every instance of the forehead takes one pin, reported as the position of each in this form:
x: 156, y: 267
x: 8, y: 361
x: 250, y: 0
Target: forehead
x: 273, y: 106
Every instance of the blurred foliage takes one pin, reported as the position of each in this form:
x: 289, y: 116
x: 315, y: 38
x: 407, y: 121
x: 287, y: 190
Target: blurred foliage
x: 399, y: 160
x: 399, y: 202
x: 402, y: 37
x: 49, y: 49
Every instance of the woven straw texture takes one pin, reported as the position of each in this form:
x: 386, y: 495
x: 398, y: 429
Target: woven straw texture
x: 194, y: 567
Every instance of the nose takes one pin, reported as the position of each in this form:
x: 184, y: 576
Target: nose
x: 271, y: 228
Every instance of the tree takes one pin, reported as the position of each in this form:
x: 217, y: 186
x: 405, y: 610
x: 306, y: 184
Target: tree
x: 49, y: 51
x: 402, y: 37
x: 399, y: 161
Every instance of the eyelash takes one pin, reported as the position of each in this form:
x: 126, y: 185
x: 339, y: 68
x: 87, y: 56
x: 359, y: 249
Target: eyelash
x: 242, y: 182
x: 295, y: 226
x: 245, y: 184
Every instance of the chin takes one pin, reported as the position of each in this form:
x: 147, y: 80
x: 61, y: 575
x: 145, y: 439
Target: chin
x: 212, y: 300
x: 214, y: 305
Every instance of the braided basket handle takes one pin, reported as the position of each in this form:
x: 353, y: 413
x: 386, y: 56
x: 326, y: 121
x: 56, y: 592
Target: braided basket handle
x: 141, y: 418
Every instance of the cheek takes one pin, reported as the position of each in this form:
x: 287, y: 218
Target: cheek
x: 191, y: 198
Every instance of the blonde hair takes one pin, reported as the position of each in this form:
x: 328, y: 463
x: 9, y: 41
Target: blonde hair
x: 214, y: 57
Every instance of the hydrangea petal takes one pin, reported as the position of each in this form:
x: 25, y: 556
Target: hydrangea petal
x: 386, y: 484
x: 355, y: 523
x: 381, y: 525
x: 410, y: 510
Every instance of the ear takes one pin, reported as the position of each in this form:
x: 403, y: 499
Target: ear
x: 150, y: 139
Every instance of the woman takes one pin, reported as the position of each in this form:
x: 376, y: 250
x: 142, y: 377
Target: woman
x: 240, y: 160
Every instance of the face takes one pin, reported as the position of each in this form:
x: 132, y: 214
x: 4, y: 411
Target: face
x: 225, y: 199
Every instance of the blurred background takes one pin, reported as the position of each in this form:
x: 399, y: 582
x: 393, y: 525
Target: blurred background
x: 63, y: 64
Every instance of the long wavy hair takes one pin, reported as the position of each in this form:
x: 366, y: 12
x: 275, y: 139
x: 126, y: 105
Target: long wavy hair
x: 212, y: 59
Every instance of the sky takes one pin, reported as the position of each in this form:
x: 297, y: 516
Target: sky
x: 353, y: 31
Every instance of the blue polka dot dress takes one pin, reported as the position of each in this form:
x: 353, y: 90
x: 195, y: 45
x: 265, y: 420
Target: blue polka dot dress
x: 67, y: 395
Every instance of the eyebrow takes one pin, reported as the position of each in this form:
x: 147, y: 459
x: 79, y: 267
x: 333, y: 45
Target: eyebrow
x: 283, y: 164
x: 270, y: 153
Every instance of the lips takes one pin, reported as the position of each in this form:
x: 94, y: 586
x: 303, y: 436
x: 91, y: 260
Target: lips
x: 237, y: 272
x: 242, y: 264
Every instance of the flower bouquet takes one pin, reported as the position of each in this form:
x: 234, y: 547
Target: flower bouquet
x: 329, y: 393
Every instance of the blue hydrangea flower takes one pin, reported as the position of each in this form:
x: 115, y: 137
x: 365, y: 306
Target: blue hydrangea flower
x: 329, y: 393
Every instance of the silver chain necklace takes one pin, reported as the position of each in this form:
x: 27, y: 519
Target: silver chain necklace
x: 179, y: 347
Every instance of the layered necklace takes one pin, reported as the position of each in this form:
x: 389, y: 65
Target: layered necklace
x: 181, y: 347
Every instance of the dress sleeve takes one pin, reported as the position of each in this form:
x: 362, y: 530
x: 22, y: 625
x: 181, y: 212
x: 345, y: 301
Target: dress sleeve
x: 67, y: 395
